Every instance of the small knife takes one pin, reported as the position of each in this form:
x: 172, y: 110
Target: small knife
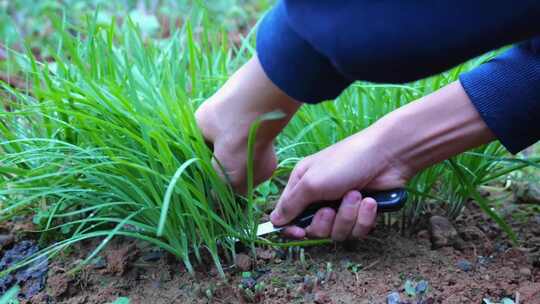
x: 387, y: 201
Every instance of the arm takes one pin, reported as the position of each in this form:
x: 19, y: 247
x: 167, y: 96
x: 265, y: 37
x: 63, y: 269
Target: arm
x: 383, y: 156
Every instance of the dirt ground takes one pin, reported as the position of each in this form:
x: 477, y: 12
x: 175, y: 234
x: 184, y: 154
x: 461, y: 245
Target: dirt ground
x: 432, y: 263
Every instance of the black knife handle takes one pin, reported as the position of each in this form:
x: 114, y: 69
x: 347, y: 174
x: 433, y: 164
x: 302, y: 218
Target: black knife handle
x: 387, y: 201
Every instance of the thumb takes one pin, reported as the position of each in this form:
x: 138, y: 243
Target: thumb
x: 293, y: 202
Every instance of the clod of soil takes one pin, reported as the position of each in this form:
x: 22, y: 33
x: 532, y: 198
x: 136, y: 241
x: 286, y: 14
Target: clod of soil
x: 30, y: 278
x: 6, y: 240
x: 58, y: 284
x: 442, y: 232
x: 243, y: 262
x: 119, y: 259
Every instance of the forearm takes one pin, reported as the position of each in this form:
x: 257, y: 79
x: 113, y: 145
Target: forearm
x: 433, y: 128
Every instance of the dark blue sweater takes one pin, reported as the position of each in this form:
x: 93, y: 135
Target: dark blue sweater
x: 314, y: 49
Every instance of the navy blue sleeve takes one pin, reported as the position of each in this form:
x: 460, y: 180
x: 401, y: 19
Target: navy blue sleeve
x: 506, y: 93
x: 314, y: 49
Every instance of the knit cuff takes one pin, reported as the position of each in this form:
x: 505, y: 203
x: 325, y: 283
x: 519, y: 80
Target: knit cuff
x: 294, y: 65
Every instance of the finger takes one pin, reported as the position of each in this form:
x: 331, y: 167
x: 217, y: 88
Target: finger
x: 293, y: 200
x: 346, y: 216
x: 295, y: 176
x: 367, y: 212
x: 322, y: 223
x: 294, y: 232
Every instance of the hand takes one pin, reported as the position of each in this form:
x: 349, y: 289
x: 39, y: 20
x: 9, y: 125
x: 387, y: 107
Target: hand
x: 358, y: 162
x: 225, y: 120
x: 383, y: 156
x: 229, y: 141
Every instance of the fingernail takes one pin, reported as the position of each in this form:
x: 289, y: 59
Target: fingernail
x: 351, y: 198
x: 275, y: 217
x: 370, y: 205
x: 298, y: 233
x: 326, y: 215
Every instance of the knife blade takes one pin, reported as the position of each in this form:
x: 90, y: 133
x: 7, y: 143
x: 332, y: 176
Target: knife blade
x: 387, y: 201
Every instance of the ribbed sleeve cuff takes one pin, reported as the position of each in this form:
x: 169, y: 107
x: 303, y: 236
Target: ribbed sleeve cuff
x: 294, y: 65
x: 506, y: 93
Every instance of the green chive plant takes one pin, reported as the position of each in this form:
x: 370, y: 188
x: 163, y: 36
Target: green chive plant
x: 106, y: 144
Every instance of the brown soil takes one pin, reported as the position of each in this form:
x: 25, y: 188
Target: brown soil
x: 482, y: 264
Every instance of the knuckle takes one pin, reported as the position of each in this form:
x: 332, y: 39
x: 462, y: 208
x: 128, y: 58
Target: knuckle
x: 347, y: 217
x: 363, y: 226
x: 285, y: 208
x: 319, y: 233
x: 311, y: 185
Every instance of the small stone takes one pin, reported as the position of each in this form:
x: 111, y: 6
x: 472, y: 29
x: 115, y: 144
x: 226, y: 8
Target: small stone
x: 99, y: 263
x: 423, y: 234
x: 421, y: 287
x: 525, y: 272
x: 321, y: 297
x: 321, y: 275
x: 464, y: 265
x: 280, y: 253
x: 152, y: 256
x: 248, y: 282
x: 442, y: 231
x: 484, y: 260
x: 6, y: 240
x: 266, y: 255
x: 528, y: 192
x: 243, y: 262
x: 309, y: 283
x: 393, y: 298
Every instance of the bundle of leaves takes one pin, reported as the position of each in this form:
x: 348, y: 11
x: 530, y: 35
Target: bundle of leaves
x: 105, y: 143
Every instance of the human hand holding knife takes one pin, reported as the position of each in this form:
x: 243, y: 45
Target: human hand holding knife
x: 387, y: 201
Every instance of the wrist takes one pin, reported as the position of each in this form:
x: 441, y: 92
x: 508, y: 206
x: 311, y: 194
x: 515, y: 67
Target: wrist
x: 433, y: 128
x: 229, y: 114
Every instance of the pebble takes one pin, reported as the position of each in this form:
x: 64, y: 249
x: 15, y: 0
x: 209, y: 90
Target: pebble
x: 484, y: 260
x: 248, y: 282
x: 442, y: 232
x: 266, y: 255
x: 321, y: 276
x: 464, y: 265
x: 6, y: 240
x: 243, y: 262
x: 393, y: 298
x: 423, y: 234
x: 421, y: 287
x: 152, y: 256
x: 99, y: 263
x: 309, y: 283
x: 525, y: 272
